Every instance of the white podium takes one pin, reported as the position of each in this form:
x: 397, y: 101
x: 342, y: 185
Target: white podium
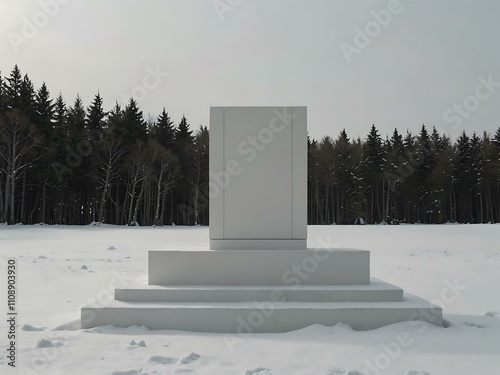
x: 257, y: 275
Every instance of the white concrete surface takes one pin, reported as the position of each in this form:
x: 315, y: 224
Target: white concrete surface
x: 250, y: 317
x: 262, y: 267
x: 258, y: 177
x: 376, y: 291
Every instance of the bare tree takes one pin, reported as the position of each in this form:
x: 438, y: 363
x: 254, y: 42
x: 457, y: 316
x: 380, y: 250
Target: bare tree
x: 139, y: 168
x: 110, y: 153
x: 199, y: 177
x: 18, y: 151
x: 164, y: 170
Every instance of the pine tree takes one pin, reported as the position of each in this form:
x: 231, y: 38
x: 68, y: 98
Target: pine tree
x: 424, y: 165
x: 115, y: 121
x: 496, y: 139
x: 163, y: 130
x: 312, y: 181
x: 76, y: 119
x: 59, y: 140
x: 437, y: 140
x: 183, y: 150
x: 134, y: 127
x: 462, y: 177
x: 441, y: 178
x: 491, y: 165
x: 44, y: 117
x: 199, y: 176
x: 327, y: 214
x: 27, y: 99
x: 183, y: 132
x: 394, y: 176
x: 60, y: 119
x: 3, y: 97
x: 373, y: 168
x: 348, y: 196
x: 477, y: 176
x: 95, y: 117
x: 13, y: 89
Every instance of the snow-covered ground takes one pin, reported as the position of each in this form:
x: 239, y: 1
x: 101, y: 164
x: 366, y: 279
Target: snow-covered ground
x: 61, y: 268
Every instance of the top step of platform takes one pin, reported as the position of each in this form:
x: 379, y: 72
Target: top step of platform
x: 260, y: 267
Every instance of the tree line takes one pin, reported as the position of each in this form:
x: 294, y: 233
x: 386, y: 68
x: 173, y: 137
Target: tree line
x: 421, y: 178
x: 72, y: 164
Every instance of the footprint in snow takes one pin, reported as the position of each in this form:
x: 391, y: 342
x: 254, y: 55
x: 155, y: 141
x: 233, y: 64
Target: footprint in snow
x: 129, y: 372
x: 258, y: 371
x: 30, y: 328
x: 43, y: 343
x: 338, y: 371
x: 473, y: 325
x: 190, y: 358
x: 163, y: 360
x: 140, y: 343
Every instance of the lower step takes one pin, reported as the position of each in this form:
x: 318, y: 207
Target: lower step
x: 255, y: 317
x: 376, y: 291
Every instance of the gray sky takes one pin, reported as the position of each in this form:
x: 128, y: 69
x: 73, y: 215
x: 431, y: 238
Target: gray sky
x: 352, y: 63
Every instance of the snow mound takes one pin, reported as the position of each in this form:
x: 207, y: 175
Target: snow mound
x: 492, y: 314
x: 342, y: 327
x: 258, y: 371
x: 111, y: 248
x: 142, y: 344
x: 415, y: 372
x: 84, y: 267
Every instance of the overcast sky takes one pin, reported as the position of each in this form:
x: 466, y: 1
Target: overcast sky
x: 352, y: 63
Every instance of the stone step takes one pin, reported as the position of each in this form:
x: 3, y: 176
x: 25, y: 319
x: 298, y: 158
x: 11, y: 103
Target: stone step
x: 322, y: 266
x: 255, y: 317
x: 376, y: 291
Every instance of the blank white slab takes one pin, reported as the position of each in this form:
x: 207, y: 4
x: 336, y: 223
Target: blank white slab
x: 258, y: 178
